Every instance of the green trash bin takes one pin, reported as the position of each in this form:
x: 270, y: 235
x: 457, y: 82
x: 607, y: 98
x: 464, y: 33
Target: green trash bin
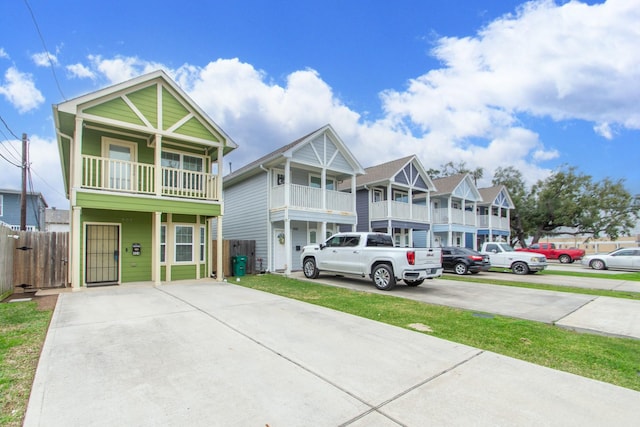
x: 239, y: 265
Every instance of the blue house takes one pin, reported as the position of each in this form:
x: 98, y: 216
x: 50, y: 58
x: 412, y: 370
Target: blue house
x: 10, y: 210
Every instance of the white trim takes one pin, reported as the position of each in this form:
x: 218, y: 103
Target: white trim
x: 175, y: 244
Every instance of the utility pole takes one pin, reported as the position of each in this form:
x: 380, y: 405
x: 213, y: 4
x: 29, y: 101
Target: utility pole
x: 23, y: 198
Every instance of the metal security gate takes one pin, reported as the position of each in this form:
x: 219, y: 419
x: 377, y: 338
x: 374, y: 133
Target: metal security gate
x: 102, y: 254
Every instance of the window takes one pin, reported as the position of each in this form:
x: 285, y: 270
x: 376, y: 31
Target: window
x: 316, y: 182
x: 163, y: 243
x: 184, y: 243
x: 313, y: 236
x: 377, y: 195
x: 401, y: 196
x: 172, y: 163
x: 202, y: 242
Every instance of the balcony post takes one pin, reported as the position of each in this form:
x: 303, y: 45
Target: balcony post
x: 157, y: 173
x: 76, y: 161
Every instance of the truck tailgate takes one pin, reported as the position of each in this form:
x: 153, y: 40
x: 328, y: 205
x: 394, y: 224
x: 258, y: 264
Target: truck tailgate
x: 427, y: 257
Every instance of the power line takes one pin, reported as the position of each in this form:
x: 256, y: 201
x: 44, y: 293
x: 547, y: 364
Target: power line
x: 9, y: 129
x: 53, y: 71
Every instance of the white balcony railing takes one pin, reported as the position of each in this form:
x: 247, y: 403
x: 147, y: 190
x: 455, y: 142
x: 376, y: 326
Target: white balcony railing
x: 122, y: 176
x: 305, y: 197
x: 399, y: 210
x: 493, y: 221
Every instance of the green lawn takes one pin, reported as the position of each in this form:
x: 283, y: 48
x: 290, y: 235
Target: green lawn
x: 613, y: 360
x: 22, y: 331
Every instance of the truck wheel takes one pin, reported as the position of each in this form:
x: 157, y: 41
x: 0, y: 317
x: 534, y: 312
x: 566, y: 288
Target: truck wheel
x: 310, y: 269
x: 565, y: 259
x: 520, y: 268
x: 382, y: 277
x: 460, y: 268
x: 413, y: 282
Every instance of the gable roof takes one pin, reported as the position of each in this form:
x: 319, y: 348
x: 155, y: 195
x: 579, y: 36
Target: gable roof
x: 490, y: 194
x: 449, y: 184
x: 287, y: 151
x: 385, y: 172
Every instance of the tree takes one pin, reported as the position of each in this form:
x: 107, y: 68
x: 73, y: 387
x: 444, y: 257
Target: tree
x: 513, y: 180
x: 568, y: 202
x: 450, y: 168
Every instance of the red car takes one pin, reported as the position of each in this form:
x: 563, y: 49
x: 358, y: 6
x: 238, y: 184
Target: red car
x: 549, y: 250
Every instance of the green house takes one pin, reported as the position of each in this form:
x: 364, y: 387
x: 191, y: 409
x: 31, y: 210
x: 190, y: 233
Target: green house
x: 142, y: 167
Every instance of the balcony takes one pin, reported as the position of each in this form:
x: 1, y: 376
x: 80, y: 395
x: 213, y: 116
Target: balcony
x: 494, y: 222
x: 399, y: 211
x: 305, y: 197
x: 120, y: 176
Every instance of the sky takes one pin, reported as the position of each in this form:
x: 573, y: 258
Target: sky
x: 491, y: 83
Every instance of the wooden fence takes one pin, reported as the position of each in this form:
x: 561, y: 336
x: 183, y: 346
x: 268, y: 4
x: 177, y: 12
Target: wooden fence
x: 232, y: 248
x: 32, y: 260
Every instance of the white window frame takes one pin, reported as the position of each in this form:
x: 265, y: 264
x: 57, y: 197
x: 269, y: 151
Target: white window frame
x: 402, y: 194
x: 377, y: 195
x: 203, y: 241
x: 163, y: 244
x: 1, y: 205
x: 181, y: 161
x: 326, y: 183
x: 176, y: 244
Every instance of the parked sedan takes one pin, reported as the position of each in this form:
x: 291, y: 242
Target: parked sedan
x: 463, y: 260
x: 623, y: 259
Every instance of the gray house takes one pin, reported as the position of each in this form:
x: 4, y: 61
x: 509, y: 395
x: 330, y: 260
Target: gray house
x: 455, y: 203
x: 289, y: 198
x: 494, y: 221
x: 394, y: 198
x: 10, y: 201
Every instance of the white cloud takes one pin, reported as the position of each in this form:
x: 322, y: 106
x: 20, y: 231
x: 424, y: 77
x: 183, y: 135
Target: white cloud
x: 20, y: 90
x: 80, y: 71
x: 44, y: 59
x: 565, y: 62
x: 3, y: 53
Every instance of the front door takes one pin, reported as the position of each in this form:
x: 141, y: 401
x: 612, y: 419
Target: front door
x: 279, y: 250
x: 121, y: 170
x: 102, y: 254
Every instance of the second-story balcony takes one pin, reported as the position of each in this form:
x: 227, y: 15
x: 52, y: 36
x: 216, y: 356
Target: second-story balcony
x: 101, y: 173
x: 389, y: 209
x: 453, y: 216
x: 305, y: 197
x: 494, y: 222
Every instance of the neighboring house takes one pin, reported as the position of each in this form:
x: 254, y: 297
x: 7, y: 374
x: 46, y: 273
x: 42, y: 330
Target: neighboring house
x: 454, y: 205
x: 289, y: 198
x: 142, y: 167
x: 494, y: 220
x: 394, y: 198
x: 10, y: 205
x: 56, y: 220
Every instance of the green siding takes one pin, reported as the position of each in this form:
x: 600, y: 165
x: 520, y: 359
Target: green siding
x: 172, y: 110
x: 115, y: 109
x: 183, y: 272
x: 145, y: 204
x: 146, y: 100
x: 135, y: 227
x: 193, y: 127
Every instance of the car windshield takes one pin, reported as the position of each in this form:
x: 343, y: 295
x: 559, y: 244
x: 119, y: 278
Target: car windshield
x: 507, y: 248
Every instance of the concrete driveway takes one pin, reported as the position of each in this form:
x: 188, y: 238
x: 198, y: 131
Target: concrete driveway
x: 210, y: 354
x: 586, y: 313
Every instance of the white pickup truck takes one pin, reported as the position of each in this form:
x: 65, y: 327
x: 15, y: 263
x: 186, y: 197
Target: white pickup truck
x: 373, y: 255
x: 503, y: 255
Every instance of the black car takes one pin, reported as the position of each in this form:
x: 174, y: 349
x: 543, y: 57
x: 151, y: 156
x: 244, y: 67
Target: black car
x: 462, y: 260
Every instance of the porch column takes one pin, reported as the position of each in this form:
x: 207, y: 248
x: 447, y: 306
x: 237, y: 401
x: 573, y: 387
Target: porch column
x: 219, y: 246
x: 169, y: 248
x: 354, y: 207
x: 156, y: 222
x: 220, y: 173
x: 287, y: 183
x: 196, y: 241
x: 287, y: 246
x: 449, y: 222
x: 76, y: 160
x: 75, y: 239
x: 157, y: 160
x: 323, y: 186
x: 410, y: 196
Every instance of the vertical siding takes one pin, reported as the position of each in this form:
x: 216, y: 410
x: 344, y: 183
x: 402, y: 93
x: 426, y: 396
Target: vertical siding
x: 362, y: 209
x: 298, y: 238
x: 246, y: 214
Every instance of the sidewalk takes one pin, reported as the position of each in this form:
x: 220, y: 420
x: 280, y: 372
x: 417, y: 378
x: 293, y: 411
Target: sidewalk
x: 211, y: 354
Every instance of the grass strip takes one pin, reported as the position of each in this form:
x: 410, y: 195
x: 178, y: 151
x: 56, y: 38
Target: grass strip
x: 555, y: 288
x: 22, y: 331
x: 608, y: 359
x: 634, y: 277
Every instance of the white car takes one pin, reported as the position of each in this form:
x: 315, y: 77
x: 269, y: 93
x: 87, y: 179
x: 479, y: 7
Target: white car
x: 623, y: 259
